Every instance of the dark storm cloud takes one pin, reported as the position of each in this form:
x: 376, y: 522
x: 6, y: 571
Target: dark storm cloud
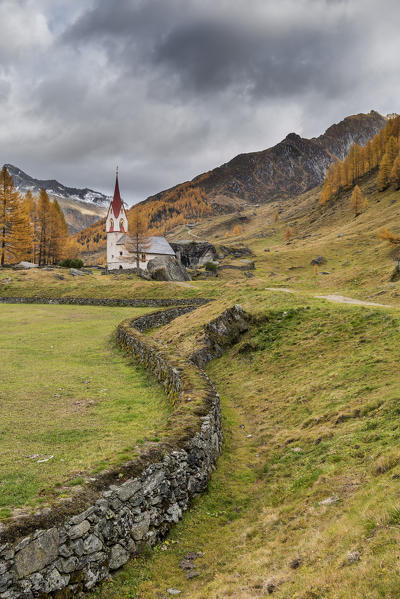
x: 206, y: 51
x: 168, y: 88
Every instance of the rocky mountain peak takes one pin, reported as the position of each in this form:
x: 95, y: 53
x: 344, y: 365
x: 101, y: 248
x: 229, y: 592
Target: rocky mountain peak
x: 25, y: 182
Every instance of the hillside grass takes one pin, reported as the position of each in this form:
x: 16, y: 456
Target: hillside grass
x: 39, y: 282
x: 67, y: 391
x: 305, y: 499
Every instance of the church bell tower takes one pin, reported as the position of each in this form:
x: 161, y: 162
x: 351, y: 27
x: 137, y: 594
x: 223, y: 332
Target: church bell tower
x: 116, y: 227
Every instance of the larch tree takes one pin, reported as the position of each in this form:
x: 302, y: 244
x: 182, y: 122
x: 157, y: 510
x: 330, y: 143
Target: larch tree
x: 395, y: 173
x: 357, y: 201
x: 139, y: 241
x: 237, y: 229
x: 58, y: 233
x: 15, y: 229
x: 288, y: 234
x: 385, y: 169
x: 30, y: 206
x: 44, y: 227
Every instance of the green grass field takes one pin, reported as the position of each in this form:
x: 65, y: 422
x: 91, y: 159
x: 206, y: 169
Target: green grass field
x: 67, y: 391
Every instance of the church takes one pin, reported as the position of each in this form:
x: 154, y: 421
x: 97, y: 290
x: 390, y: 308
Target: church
x: 119, y: 256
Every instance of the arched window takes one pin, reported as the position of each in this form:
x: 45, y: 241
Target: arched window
x: 121, y: 224
x: 111, y: 224
x: 143, y: 258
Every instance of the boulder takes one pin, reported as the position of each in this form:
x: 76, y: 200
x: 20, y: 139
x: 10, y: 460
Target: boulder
x: 167, y: 268
x: 194, y: 253
x: 319, y: 260
x: 25, y: 265
x: 76, y: 273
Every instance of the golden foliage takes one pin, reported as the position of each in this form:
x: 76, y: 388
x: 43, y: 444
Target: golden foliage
x: 31, y: 229
x: 389, y: 236
x: 15, y: 226
x: 288, y: 234
x: 357, y: 201
x: 380, y: 152
x: 237, y: 230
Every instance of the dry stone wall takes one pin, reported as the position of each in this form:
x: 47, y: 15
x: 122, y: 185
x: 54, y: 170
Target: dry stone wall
x: 60, y: 553
x: 87, y: 301
x: 64, y: 550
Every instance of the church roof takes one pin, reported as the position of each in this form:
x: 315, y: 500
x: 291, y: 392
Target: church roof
x: 157, y: 245
x: 116, y: 204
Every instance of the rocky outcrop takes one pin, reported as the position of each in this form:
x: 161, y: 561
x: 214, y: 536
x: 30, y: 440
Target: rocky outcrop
x: 68, y: 548
x: 25, y: 265
x: 236, y: 251
x: 167, y: 268
x: 194, y: 253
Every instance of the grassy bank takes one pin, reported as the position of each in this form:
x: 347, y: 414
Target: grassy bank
x: 305, y: 500
x: 70, y: 401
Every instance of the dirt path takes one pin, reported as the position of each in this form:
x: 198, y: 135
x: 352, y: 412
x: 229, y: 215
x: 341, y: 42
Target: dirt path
x: 342, y: 299
x: 339, y: 299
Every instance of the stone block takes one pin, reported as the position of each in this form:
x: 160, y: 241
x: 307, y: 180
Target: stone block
x: 37, y: 554
x: 79, y: 530
x: 119, y: 556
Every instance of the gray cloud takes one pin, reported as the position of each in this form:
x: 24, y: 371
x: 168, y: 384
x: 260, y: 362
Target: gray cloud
x: 169, y: 88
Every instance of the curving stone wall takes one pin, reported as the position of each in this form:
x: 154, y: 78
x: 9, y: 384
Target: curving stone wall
x: 84, y: 301
x: 66, y: 549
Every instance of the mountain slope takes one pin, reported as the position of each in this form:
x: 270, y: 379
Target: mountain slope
x: 81, y: 207
x: 293, y: 166
x: 290, y: 168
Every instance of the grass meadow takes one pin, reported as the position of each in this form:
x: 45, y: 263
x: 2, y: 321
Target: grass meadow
x: 70, y: 402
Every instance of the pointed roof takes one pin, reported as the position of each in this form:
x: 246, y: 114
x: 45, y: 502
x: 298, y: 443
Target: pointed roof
x: 116, y: 204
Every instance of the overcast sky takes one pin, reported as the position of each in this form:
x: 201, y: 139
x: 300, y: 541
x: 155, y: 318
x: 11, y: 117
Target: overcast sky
x: 167, y: 89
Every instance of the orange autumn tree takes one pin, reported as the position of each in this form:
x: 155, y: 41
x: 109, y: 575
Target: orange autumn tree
x: 389, y: 236
x: 15, y: 226
x: 288, y: 234
x: 237, y: 230
x: 357, y: 201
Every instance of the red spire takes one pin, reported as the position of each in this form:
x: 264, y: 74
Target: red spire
x: 116, y: 204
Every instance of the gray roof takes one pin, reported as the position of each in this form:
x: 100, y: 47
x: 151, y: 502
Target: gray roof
x: 158, y: 245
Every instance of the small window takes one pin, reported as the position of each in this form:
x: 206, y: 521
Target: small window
x: 120, y: 267
x: 143, y: 257
x: 120, y: 253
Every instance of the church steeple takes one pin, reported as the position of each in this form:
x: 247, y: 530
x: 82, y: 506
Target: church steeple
x: 116, y: 221
x: 116, y: 204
